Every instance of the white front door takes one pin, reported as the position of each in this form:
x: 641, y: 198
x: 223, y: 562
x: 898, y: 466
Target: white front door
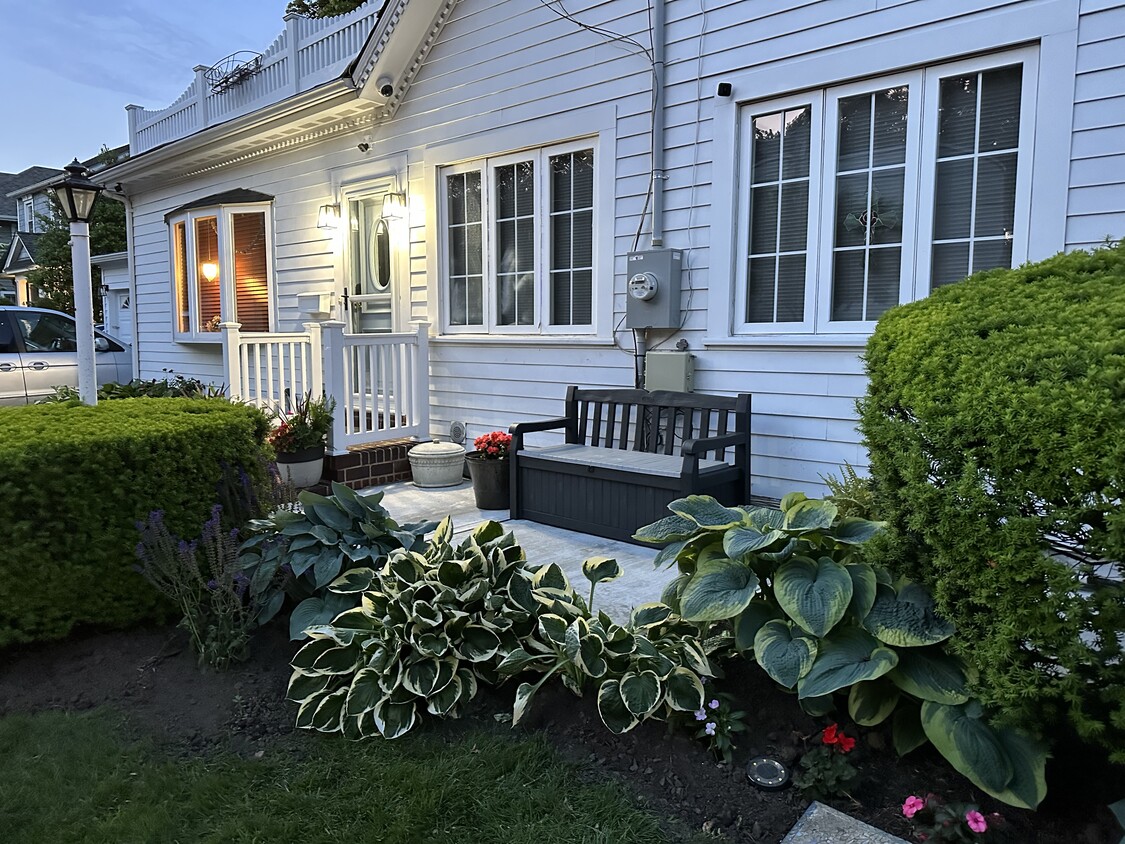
x: 371, y: 267
x: 118, y: 316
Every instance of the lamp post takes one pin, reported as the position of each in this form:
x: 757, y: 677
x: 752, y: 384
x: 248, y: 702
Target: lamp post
x: 76, y: 195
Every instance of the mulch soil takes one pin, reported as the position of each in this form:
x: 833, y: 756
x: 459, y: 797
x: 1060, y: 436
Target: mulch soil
x: 150, y: 676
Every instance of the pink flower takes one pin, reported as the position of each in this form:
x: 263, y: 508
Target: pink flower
x: 913, y: 806
x: 976, y: 821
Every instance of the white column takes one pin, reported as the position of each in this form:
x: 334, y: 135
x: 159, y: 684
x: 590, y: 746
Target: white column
x: 83, y: 312
x: 335, y: 382
x: 232, y: 358
x: 422, y: 381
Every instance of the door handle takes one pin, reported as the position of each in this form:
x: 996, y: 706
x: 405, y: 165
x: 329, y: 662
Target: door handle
x: 7, y: 367
x: 39, y: 365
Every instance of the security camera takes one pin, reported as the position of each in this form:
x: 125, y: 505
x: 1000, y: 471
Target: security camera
x: 386, y: 87
x: 363, y: 146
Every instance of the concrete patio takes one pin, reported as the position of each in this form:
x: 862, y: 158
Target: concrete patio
x: 543, y: 544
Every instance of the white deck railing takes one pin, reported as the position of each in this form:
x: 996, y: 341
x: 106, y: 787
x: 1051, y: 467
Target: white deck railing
x: 309, y: 52
x: 380, y: 381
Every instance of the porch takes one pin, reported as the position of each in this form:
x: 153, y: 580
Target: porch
x: 380, y: 383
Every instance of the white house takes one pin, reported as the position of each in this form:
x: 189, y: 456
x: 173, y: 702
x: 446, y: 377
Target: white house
x: 486, y: 167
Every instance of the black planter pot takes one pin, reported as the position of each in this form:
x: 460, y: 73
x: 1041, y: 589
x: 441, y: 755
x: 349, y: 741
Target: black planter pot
x: 491, y: 481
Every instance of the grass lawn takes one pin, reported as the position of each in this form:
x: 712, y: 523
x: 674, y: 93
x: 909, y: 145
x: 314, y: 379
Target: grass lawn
x: 75, y: 778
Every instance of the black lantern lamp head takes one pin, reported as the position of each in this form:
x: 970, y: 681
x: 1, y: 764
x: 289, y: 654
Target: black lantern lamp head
x: 76, y: 193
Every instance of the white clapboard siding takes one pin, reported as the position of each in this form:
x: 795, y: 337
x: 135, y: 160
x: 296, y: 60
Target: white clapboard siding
x: 498, y: 67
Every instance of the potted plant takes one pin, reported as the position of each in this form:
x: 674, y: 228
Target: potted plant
x: 488, y: 467
x: 299, y: 438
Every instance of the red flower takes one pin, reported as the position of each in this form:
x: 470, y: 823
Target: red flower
x: 829, y: 736
x: 846, y: 744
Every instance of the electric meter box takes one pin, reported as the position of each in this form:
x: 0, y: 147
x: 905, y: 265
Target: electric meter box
x: 670, y: 371
x: 653, y: 288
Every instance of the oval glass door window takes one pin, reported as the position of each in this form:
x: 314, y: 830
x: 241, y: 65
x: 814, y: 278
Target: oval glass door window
x: 380, y: 257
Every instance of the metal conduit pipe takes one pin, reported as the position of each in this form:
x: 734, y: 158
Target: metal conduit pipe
x: 658, y: 175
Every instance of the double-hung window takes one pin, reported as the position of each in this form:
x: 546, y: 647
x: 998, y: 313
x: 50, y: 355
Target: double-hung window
x: 518, y: 242
x: 859, y: 197
x: 221, y: 269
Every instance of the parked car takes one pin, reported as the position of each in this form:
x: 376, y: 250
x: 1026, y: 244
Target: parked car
x: 39, y: 351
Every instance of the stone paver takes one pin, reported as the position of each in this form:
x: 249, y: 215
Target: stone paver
x: 822, y: 824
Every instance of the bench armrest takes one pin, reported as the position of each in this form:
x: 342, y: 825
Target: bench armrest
x: 520, y: 428
x: 705, y: 444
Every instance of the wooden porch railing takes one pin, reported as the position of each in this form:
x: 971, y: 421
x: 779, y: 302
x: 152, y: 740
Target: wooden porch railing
x: 380, y: 381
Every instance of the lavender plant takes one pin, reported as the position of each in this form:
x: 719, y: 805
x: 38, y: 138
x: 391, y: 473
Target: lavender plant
x: 203, y: 578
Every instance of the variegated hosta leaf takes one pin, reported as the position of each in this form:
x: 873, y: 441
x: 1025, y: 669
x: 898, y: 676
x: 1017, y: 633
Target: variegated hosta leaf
x: 308, y: 654
x: 307, y: 710
x: 363, y: 693
x: 479, y: 643
x: 750, y: 621
x: 818, y: 705
x: 303, y: 686
x: 601, y: 569
x: 741, y: 541
x: 792, y: 500
x: 338, y: 660
x: 931, y: 674
x: 907, y: 619
x: 683, y: 690
x: 668, y: 554
x: 550, y: 577
x: 574, y: 633
x: 553, y: 628
x: 784, y: 656
x: 695, y: 658
x: 720, y: 589
x: 517, y: 661
x: 353, y: 581
x: 589, y: 659
x: 443, y: 701
x: 326, y: 719
x: 706, y: 512
x: 649, y: 615
x: 671, y: 593
x: 523, y: 697
x: 872, y: 702
x: 674, y: 528
x: 815, y: 594
x: 640, y: 692
x: 969, y: 744
x: 394, y: 720
x: 847, y: 655
x: 611, y: 707
x: 809, y: 515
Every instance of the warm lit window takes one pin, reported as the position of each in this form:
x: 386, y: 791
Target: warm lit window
x: 860, y: 197
x: 221, y: 269
x: 518, y: 242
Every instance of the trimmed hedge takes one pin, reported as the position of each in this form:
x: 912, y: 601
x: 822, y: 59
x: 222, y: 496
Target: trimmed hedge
x: 75, y: 480
x: 995, y: 422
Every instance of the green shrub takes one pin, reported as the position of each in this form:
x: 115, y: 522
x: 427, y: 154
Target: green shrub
x: 995, y: 422
x: 74, y: 483
x: 178, y: 387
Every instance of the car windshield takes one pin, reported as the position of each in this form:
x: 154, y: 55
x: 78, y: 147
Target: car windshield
x: 46, y: 332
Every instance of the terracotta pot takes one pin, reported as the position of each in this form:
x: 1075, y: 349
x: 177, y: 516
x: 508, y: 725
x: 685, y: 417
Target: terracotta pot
x: 301, y: 468
x: 491, y: 481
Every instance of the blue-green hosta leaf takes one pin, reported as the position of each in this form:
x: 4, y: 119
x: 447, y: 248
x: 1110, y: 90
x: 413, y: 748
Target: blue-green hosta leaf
x: 750, y: 621
x: 394, y: 720
x: 479, y: 644
x: 781, y: 556
x: 649, y: 615
x: 815, y: 594
x: 818, y: 705
x: 740, y: 541
x: 906, y: 727
x: 764, y: 519
x: 809, y: 515
x: 706, y: 512
x: 328, y: 514
x: 931, y: 674
x: 328, y: 713
x: 1029, y: 759
x: 668, y: 554
x: 719, y: 589
x: 550, y: 577
x: 864, y: 584
x: 671, y: 593
x: 524, y: 694
x: 271, y: 608
x: 907, y: 619
x: 969, y: 744
x: 792, y: 500
x: 871, y: 703
x: 601, y: 569
x: 784, y: 656
x: 847, y: 655
x: 363, y: 693
x: 445, y: 699
x: 310, y: 612
x: 683, y: 690
x: 640, y: 692
x: 674, y: 528
x: 614, y: 713
x: 855, y: 531
x: 303, y: 686
x: 353, y: 581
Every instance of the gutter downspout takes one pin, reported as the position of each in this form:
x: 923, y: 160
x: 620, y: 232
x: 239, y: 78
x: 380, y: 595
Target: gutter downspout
x: 658, y: 174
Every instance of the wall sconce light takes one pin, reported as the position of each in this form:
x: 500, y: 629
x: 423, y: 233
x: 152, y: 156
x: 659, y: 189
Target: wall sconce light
x: 329, y: 217
x: 210, y: 270
x: 394, y: 205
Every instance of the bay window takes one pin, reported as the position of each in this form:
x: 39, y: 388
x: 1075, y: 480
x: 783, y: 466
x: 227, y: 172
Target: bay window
x: 862, y: 196
x: 518, y: 242
x: 221, y: 269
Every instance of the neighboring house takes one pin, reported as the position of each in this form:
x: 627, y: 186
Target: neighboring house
x: 117, y: 299
x: 17, y: 215
x: 485, y: 166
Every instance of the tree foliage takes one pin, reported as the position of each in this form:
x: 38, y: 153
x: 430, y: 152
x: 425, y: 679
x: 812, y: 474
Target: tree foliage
x: 323, y: 8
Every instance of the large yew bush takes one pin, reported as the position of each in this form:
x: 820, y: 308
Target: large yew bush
x: 995, y: 421
x: 74, y: 482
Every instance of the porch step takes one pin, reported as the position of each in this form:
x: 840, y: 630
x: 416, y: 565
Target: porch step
x: 370, y: 464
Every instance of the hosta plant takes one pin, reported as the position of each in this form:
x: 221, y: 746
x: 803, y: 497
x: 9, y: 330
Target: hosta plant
x: 649, y: 668
x: 822, y: 622
x: 298, y: 553
x: 429, y: 627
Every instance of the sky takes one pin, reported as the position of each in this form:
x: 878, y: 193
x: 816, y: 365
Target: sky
x: 68, y: 68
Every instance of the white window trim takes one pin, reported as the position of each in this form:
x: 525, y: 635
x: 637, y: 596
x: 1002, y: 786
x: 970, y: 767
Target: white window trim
x: 984, y: 34
x: 224, y: 214
x: 540, y: 156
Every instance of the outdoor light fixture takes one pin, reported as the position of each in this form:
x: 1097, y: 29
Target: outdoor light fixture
x: 329, y: 217
x: 210, y: 270
x: 394, y: 204
x: 767, y: 773
x: 76, y: 195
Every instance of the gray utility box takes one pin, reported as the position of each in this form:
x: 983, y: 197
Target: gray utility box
x: 670, y: 371
x: 653, y: 288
